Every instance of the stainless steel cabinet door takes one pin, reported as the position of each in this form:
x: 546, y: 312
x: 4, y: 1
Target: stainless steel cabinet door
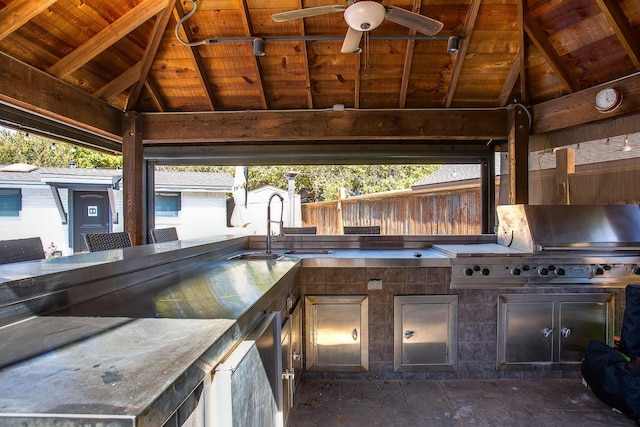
x: 552, y: 329
x: 425, y: 329
x: 337, y: 333
x: 580, y: 322
x: 529, y: 332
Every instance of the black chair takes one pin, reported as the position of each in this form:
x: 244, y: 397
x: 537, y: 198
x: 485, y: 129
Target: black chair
x: 159, y: 235
x: 18, y: 250
x: 299, y: 230
x: 105, y: 241
x: 372, y: 229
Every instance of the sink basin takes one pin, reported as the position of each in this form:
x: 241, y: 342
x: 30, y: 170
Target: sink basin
x: 309, y: 252
x: 256, y: 256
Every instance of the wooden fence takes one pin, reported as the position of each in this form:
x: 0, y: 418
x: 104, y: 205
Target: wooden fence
x: 452, y: 210
x: 456, y: 208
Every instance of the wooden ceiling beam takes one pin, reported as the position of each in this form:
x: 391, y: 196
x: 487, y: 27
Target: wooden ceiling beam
x: 624, y: 31
x: 162, y: 20
x: 38, y: 92
x: 357, y: 82
x: 408, y: 60
x: 541, y: 40
x: 200, y: 70
x: 524, y: 93
x: 305, y: 55
x: 288, y: 126
x: 472, y: 16
x: 107, y: 37
x: 510, y: 83
x: 19, y: 12
x: 578, y: 108
x: 156, y: 97
x: 120, y: 83
x: 246, y: 22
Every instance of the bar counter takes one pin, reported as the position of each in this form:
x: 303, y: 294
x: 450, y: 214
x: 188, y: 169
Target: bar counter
x: 122, y: 337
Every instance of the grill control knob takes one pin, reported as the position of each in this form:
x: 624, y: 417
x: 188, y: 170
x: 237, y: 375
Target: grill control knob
x: 559, y: 271
x: 485, y: 271
x: 598, y: 271
x: 515, y: 271
x: 635, y: 270
x: 468, y: 271
x: 543, y: 271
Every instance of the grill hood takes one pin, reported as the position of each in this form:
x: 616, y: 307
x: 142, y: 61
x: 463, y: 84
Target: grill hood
x: 538, y: 228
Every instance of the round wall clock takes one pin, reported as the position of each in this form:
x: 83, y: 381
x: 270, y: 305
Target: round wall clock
x: 608, y: 99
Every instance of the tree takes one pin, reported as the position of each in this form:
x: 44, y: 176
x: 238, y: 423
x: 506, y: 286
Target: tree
x: 324, y: 182
x: 18, y: 147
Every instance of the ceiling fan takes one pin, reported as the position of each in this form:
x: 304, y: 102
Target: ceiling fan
x: 363, y: 16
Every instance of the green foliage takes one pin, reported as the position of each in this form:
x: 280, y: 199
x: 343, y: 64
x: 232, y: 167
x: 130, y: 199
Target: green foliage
x: 324, y: 182
x: 16, y: 147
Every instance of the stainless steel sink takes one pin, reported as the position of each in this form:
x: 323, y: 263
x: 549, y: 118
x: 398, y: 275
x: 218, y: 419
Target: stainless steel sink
x: 309, y: 252
x: 256, y: 256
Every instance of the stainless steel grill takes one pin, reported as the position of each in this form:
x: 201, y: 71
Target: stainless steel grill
x: 553, y: 245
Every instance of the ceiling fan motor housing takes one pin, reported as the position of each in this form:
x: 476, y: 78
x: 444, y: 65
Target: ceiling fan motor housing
x: 365, y: 15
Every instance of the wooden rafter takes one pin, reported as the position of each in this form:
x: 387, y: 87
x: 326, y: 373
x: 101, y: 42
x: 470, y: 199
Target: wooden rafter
x: 524, y: 94
x: 162, y: 20
x: 107, y: 37
x: 248, y: 28
x: 541, y: 40
x: 474, y: 7
x: 19, y: 12
x: 408, y: 60
x: 200, y: 70
x: 154, y: 92
x: 120, y: 84
x: 357, y: 83
x: 305, y: 55
x: 624, y: 31
x: 510, y: 83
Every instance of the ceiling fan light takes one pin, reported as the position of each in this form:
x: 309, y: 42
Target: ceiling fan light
x: 365, y: 15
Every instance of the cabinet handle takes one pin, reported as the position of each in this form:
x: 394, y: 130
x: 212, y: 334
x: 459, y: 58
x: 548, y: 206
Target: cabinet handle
x: 354, y: 334
x: 408, y: 334
x: 566, y: 332
x: 546, y: 332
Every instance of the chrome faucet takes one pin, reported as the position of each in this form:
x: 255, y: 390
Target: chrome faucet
x: 270, y: 239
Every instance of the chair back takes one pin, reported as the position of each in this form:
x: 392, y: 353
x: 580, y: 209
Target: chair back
x: 372, y: 229
x: 18, y: 250
x: 298, y: 230
x: 105, y: 241
x: 159, y: 235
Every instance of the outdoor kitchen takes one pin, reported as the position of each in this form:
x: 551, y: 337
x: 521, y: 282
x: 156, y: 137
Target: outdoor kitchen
x: 506, y: 298
x: 319, y: 307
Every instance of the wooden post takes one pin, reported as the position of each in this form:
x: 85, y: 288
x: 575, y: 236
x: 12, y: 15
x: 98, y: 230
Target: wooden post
x: 565, y: 165
x: 133, y: 173
x: 518, y: 143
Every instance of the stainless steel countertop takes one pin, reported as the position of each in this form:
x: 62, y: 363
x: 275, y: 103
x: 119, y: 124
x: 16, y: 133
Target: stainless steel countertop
x: 29, y: 269
x: 129, y: 374
x: 375, y: 258
x: 128, y: 357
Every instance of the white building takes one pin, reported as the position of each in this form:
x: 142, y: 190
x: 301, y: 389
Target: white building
x: 60, y: 204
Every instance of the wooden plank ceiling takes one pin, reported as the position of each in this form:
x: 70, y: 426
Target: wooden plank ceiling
x: 126, y: 52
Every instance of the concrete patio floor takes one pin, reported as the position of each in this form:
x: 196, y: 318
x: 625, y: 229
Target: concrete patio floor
x: 527, y: 402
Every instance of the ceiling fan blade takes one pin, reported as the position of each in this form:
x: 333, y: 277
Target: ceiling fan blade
x: 310, y: 11
x: 351, y: 42
x: 414, y: 21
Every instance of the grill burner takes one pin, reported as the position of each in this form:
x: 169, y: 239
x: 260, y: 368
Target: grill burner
x: 553, y: 245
